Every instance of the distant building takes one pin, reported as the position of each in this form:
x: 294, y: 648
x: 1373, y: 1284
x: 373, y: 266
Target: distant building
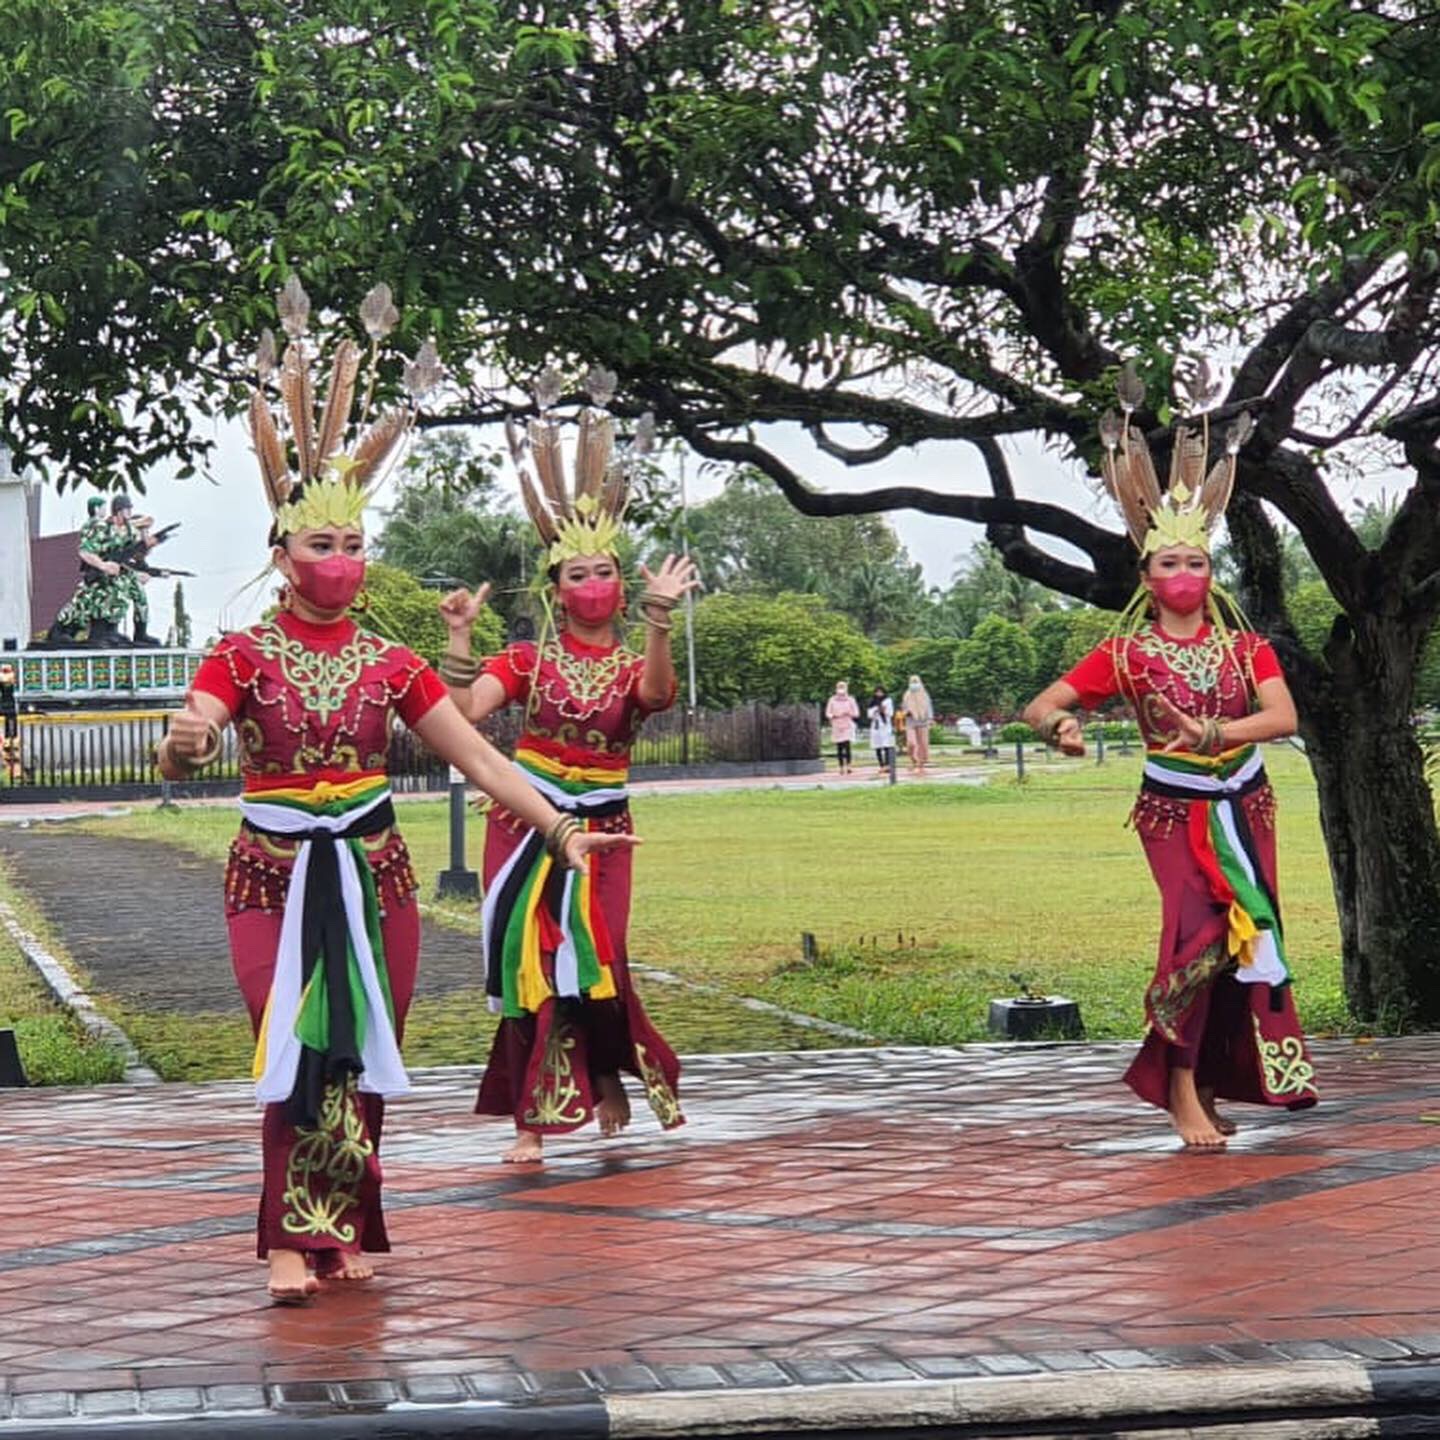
x: 38, y: 574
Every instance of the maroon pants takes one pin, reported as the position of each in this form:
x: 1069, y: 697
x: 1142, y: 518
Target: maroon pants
x: 321, y: 1189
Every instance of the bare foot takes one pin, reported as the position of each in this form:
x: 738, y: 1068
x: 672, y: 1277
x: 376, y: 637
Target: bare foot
x: 341, y: 1265
x: 1222, y: 1123
x: 290, y: 1282
x: 1188, y: 1116
x: 612, y: 1109
x: 526, y: 1150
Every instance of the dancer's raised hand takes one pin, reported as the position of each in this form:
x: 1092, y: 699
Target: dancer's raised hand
x: 1188, y: 729
x: 460, y: 609
x: 676, y: 578
x: 1070, y: 737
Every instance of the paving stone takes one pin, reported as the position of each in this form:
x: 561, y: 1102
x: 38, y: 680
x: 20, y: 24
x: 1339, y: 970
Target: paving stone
x: 880, y: 1369
x: 172, y: 1400
x: 1127, y: 1359
x: 435, y: 1389
x: 756, y: 1374
x: 367, y: 1394
x: 1372, y: 1349
x: 44, y: 1405
x: 820, y: 1372
x: 236, y: 1397
x: 1309, y: 1350
x: 1063, y: 1360
x: 485, y: 1385
x: 692, y: 1377
x: 105, y: 1404
x: 303, y: 1395
x: 624, y: 1379
x: 1002, y: 1364
x: 946, y: 1367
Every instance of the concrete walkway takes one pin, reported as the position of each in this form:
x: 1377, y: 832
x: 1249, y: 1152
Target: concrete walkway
x: 858, y: 1240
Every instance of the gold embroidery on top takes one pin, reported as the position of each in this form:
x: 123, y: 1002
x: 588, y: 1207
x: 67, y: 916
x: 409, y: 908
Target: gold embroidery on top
x: 658, y: 1091
x: 583, y: 685
x: 553, y: 1101
x: 1170, y: 996
x: 1197, y: 664
x: 1285, y: 1069
x: 326, y: 1166
x: 321, y: 681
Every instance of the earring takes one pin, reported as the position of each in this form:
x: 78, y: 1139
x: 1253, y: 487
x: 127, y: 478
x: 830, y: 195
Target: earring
x: 361, y: 603
x: 282, y: 598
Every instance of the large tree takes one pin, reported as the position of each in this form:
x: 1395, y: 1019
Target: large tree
x: 877, y: 223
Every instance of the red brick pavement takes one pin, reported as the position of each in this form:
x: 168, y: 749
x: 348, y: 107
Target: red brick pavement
x: 894, y: 1212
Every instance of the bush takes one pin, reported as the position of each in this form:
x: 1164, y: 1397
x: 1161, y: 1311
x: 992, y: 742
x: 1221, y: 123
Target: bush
x: 1016, y: 730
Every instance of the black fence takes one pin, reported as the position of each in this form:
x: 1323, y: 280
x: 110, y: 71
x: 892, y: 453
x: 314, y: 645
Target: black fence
x: 103, y: 756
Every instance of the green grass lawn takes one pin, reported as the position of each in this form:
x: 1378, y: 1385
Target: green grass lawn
x: 925, y: 900
x: 54, y: 1050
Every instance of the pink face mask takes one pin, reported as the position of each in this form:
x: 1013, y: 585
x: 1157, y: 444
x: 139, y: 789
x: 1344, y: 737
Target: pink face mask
x: 592, y: 602
x: 1184, y: 594
x: 331, y: 583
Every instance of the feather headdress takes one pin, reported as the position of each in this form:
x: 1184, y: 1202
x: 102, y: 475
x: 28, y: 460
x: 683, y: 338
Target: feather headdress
x: 584, y: 516
x: 311, y: 478
x: 1190, y: 506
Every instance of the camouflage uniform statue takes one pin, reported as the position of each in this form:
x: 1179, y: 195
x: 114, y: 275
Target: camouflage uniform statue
x: 128, y: 535
x: 97, y: 603
x: 9, y: 725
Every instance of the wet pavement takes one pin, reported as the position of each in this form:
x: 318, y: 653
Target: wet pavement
x: 826, y: 1219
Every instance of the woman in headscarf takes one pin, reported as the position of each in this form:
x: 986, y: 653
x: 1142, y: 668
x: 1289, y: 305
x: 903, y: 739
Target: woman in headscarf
x: 919, y: 717
x: 842, y: 714
x: 881, y: 715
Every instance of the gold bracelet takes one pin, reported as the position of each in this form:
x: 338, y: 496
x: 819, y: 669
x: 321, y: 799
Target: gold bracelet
x: 213, y: 743
x: 459, y: 670
x: 661, y: 602
x: 1049, y: 727
x: 659, y: 624
x: 558, y: 836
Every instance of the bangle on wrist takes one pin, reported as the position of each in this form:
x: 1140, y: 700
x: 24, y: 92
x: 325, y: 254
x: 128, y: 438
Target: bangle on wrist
x: 659, y: 624
x: 1049, y: 727
x: 557, y: 837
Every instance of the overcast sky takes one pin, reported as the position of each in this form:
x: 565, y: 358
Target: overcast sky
x: 223, y: 525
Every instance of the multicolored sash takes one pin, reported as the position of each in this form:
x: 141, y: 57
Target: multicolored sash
x: 528, y: 912
x: 1224, y: 847
x: 329, y: 1013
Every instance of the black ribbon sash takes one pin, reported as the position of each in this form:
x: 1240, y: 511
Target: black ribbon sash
x: 323, y: 937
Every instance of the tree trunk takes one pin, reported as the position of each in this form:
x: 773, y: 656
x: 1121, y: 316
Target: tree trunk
x: 1378, y: 819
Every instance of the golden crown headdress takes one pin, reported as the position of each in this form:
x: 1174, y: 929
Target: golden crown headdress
x: 311, y: 478
x: 585, y: 517
x: 1191, y: 505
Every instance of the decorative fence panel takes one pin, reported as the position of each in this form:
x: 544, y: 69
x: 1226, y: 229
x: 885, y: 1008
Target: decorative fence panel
x: 106, y: 754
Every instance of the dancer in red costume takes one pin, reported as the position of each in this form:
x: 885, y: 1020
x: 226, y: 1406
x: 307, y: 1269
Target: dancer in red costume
x: 1222, y: 1021
x: 555, y: 949
x: 319, y: 892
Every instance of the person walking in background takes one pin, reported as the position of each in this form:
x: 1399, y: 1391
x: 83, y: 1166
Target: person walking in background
x: 842, y: 715
x: 919, y: 717
x: 881, y: 714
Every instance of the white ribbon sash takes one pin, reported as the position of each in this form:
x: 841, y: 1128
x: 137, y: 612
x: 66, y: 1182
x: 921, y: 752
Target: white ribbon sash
x: 384, y: 1072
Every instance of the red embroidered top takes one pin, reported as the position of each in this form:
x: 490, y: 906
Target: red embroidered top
x: 315, y: 702
x: 586, y: 708
x: 1199, y: 676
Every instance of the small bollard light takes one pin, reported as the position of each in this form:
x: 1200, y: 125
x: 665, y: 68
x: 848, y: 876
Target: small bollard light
x: 457, y: 883
x: 809, y: 950
x: 1028, y: 1016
